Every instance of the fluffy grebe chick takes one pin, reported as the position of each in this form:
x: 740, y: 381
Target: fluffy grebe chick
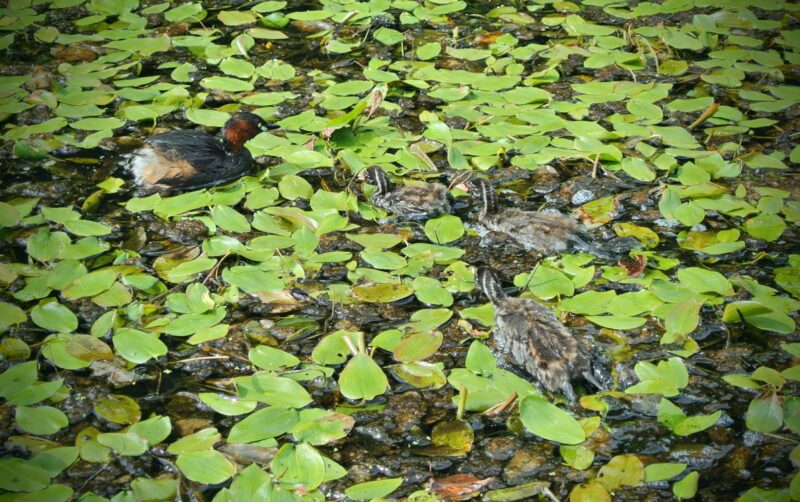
x: 188, y: 159
x: 530, y: 337
x: 410, y: 202
x: 547, y: 232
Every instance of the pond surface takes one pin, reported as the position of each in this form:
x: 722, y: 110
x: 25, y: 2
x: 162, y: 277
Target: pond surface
x: 281, y: 338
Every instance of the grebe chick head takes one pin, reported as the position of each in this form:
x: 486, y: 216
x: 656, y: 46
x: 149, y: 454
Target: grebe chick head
x: 485, y: 192
x: 488, y: 282
x: 378, y: 177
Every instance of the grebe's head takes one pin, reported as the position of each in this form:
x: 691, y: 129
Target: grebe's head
x: 488, y: 283
x: 242, y: 127
x: 485, y: 192
x: 378, y: 177
x: 477, y: 185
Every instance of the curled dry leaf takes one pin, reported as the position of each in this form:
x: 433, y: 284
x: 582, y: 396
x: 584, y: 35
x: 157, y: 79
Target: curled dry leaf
x: 375, y: 100
x: 281, y: 301
x: 634, y: 265
x: 457, y: 486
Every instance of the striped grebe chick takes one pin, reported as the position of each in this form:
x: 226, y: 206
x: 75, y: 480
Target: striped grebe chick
x: 408, y: 202
x: 546, y: 232
x: 530, y: 337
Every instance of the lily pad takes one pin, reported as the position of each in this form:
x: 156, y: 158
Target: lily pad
x: 209, y: 466
x: 362, y: 378
x: 383, y: 293
x: 550, y: 422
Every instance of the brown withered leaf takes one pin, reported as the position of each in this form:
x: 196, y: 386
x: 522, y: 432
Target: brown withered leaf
x: 311, y: 26
x: 89, y: 348
x: 116, y: 373
x: 74, y: 53
x: 634, y: 265
x: 457, y: 486
x: 281, y: 301
x: 418, y: 149
x: 488, y: 38
x: 328, y: 132
x: 375, y: 100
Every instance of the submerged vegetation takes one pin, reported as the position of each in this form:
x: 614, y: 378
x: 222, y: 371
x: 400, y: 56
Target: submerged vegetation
x: 281, y: 337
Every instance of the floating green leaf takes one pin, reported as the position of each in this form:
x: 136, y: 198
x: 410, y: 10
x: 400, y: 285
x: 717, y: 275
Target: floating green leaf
x: 54, y: 317
x: 444, y: 229
x: 549, y: 421
x: 375, y: 489
x: 765, y: 414
x: 687, y: 487
x: 622, y: 470
x: 17, y: 475
x: 299, y: 465
x: 263, y: 424
x: 362, y: 378
x: 383, y: 293
x: 10, y: 315
x: 661, y: 472
x: 137, y: 346
x: 209, y: 466
x: 40, y: 420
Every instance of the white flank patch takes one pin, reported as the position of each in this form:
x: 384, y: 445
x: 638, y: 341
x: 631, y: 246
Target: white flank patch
x: 140, y: 160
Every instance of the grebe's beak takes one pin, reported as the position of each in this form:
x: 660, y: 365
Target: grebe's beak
x: 268, y: 126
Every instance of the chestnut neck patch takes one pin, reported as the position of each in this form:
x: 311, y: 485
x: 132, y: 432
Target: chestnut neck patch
x: 237, y: 132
